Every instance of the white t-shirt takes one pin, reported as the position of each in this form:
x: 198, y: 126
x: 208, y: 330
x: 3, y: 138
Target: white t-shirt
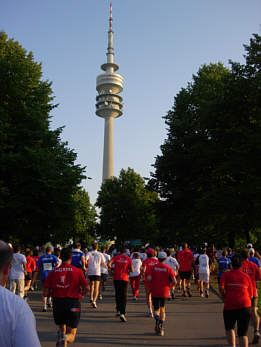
x: 173, y: 263
x: 143, y: 256
x: 95, y: 259
x: 17, y: 269
x: 17, y: 322
x: 104, y: 269
x: 203, y: 264
x: 137, y: 265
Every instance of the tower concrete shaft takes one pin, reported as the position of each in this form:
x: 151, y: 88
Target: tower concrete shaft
x: 108, y: 102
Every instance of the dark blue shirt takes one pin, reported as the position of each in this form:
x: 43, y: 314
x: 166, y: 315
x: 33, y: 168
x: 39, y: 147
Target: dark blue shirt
x: 255, y: 260
x: 77, y: 258
x: 47, y: 263
x: 223, y: 265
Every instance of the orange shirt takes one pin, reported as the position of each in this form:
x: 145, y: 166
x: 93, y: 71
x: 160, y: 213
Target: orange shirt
x: 30, y: 264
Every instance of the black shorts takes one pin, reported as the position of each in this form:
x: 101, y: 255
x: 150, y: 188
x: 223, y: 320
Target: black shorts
x: 185, y: 275
x: 241, y: 316
x: 66, y: 311
x: 158, y: 302
x: 28, y: 276
x: 104, y: 277
x: 94, y: 278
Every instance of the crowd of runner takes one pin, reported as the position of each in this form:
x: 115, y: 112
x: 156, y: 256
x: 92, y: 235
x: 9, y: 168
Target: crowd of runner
x: 68, y: 274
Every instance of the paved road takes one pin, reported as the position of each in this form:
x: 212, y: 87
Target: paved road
x: 190, y: 322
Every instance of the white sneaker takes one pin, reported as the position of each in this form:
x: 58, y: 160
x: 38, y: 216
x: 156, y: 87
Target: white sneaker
x: 123, y: 318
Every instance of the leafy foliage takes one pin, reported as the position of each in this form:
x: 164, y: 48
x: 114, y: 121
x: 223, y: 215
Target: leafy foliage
x: 208, y: 173
x: 127, y: 208
x: 38, y: 175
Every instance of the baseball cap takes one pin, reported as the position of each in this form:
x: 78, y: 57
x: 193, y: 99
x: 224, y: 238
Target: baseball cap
x: 249, y: 245
x: 150, y: 251
x: 162, y: 255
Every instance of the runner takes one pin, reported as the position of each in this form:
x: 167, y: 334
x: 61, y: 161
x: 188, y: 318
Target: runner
x: 94, y: 260
x: 67, y: 285
x: 172, y: 262
x: 255, y: 275
x: 204, y: 265
x: 36, y: 270
x: 135, y: 276
x: 236, y: 289
x: 253, y: 258
x: 30, y: 267
x: 185, y: 259
x: 16, y: 278
x: 147, y: 265
x: 104, y: 271
x: 162, y: 277
x: 46, y: 264
x: 78, y: 257
x: 122, y: 266
x: 224, y: 264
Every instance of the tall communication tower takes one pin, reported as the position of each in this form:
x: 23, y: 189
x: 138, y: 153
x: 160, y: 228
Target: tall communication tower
x: 108, y: 103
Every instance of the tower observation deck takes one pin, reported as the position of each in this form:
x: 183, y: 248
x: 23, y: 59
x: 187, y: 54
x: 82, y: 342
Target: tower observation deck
x: 108, y: 103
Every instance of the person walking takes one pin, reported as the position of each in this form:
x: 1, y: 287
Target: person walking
x: 67, y: 285
x: 162, y: 277
x: 135, y: 276
x: 122, y: 266
x: 237, y: 291
x: 17, y: 273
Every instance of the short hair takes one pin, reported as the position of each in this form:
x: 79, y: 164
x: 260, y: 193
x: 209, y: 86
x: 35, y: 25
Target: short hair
x: 168, y: 251
x: 78, y: 245
x: 35, y: 252
x: 28, y: 253
x: 66, y: 254
x: 95, y: 245
x: 184, y: 245
x: 236, y: 261
x: 103, y: 248
x: 136, y: 255
x: 122, y: 249
x: 17, y: 248
x: 244, y: 253
x: 49, y: 249
x: 6, y: 254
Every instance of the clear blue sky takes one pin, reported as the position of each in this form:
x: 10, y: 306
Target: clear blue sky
x: 159, y: 45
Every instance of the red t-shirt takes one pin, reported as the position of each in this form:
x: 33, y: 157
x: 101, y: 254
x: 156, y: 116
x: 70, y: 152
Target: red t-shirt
x: 122, y: 266
x: 185, y: 259
x: 148, y: 265
x: 66, y: 281
x: 238, y: 289
x: 253, y: 272
x: 161, y: 277
x: 30, y: 264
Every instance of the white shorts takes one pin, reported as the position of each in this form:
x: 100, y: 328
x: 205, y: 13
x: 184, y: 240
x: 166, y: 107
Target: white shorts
x: 203, y: 277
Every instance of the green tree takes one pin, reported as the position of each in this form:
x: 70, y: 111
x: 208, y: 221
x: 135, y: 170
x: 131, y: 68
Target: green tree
x: 208, y: 173
x: 85, y: 218
x: 127, y: 208
x: 38, y: 175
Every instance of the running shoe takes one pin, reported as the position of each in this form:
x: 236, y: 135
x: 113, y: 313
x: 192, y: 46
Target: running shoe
x: 161, y: 332
x: 100, y: 297
x: 172, y: 296
x: 45, y: 308
x: 32, y: 288
x: 189, y: 294
x: 94, y: 304
x: 206, y: 293
x: 157, y: 322
x: 123, y: 318
x: 49, y: 303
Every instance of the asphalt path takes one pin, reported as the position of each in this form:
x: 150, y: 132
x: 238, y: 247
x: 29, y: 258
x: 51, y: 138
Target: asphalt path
x: 191, y: 321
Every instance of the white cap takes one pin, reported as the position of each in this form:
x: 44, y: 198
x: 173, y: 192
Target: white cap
x: 251, y: 250
x: 162, y: 255
x: 249, y: 245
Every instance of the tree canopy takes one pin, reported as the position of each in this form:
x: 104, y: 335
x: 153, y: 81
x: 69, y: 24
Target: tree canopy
x: 208, y: 174
x: 127, y: 208
x: 38, y: 174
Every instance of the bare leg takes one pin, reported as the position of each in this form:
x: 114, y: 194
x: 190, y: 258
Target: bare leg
x: 243, y: 341
x: 70, y: 334
x: 231, y: 337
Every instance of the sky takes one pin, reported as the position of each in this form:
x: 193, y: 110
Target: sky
x: 158, y: 46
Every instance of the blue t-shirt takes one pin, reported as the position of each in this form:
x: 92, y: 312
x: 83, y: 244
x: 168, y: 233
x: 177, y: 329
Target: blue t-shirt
x: 255, y: 260
x: 47, y: 263
x: 223, y: 265
x: 77, y: 258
